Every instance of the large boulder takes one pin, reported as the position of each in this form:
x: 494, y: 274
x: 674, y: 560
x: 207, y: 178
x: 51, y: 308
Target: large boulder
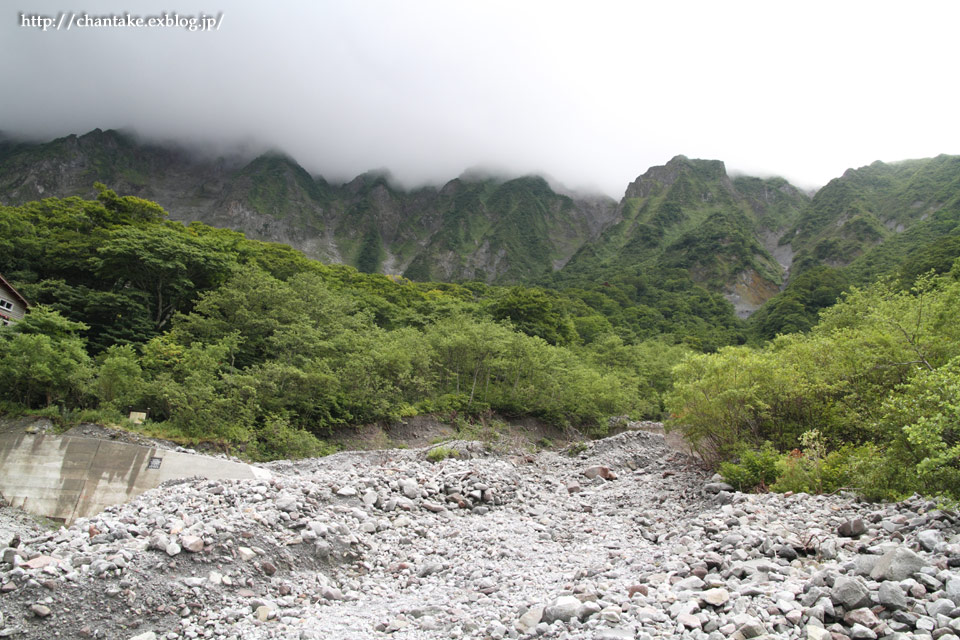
x: 850, y: 593
x: 898, y: 564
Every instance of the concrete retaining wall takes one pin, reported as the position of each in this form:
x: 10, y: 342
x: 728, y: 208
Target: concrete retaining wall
x: 69, y: 477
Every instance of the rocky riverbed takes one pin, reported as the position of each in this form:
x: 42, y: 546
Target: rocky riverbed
x: 623, y: 539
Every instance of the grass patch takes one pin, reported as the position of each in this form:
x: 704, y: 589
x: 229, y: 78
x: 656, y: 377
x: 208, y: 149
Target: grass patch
x: 442, y: 453
x: 576, y: 449
x: 545, y: 443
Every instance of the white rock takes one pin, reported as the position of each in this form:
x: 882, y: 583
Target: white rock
x: 817, y: 633
x: 715, y: 597
x: 193, y: 544
x: 530, y: 619
x: 563, y: 608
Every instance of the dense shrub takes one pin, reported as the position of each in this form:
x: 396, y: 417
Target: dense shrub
x: 756, y: 469
x: 876, y: 381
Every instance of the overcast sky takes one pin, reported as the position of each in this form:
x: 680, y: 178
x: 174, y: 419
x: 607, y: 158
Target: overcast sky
x: 591, y: 93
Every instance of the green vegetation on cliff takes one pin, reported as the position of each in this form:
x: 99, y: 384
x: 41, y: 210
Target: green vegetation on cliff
x: 687, y: 227
x: 896, y: 221
x: 872, y: 205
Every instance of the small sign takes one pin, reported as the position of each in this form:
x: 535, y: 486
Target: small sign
x: 137, y: 417
x: 154, y: 463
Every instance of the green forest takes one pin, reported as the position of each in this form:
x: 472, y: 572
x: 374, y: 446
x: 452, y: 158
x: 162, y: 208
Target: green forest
x: 836, y: 383
x: 254, y: 347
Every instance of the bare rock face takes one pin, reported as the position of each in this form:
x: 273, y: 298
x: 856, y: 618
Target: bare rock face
x: 748, y: 291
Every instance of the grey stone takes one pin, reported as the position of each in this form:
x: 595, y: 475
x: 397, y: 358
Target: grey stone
x: 925, y: 623
x: 40, y: 610
x: 410, y: 488
x: 614, y: 634
x: 814, y: 632
x: 530, y: 619
x: 898, y: 564
x: 599, y: 471
x: 929, y: 539
x: 952, y: 589
x: 717, y: 487
x: 943, y: 606
x: 860, y: 632
x: 906, y: 617
x: 689, y: 620
x: 852, y: 528
x: 286, y: 503
x: 691, y: 583
x: 589, y: 608
x: 193, y: 544
x: 862, y: 616
x: 849, y: 593
x: 564, y: 608
x: 892, y: 596
x: 331, y: 593
x: 752, y: 629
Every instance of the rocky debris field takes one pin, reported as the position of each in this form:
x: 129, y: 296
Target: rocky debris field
x: 623, y: 539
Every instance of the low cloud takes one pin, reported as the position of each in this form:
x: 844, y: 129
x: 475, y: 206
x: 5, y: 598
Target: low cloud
x: 590, y: 96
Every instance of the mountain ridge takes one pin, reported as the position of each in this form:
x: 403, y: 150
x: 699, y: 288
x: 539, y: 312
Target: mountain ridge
x: 366, y: 222
x: 742, y: 236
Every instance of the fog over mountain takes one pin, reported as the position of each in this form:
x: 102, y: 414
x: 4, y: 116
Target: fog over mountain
x: 591, y: 95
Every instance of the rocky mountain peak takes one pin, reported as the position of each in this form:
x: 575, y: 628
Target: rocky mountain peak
x: 659, y: 177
